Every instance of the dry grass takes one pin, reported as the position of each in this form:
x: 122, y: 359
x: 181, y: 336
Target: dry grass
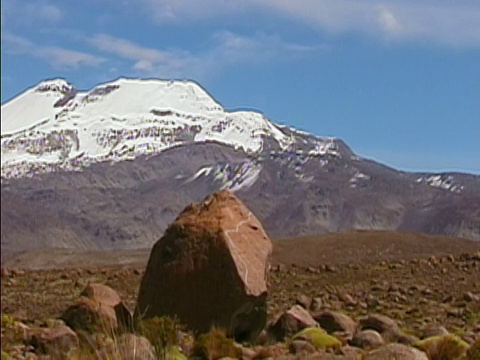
x: 443, y: 347
x: 215, y: 345
x: 474, y: 351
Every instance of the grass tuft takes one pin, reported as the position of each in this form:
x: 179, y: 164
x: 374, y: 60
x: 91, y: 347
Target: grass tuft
x: 162, y: 332
x: 443, y: 347
x: 215, y: 345
x: 318, y: 338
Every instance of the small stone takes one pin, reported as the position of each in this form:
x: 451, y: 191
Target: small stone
x: 433, y: 330
x: 301, y: 346
x: 316, y: 304
x: 333, y: 321
x: 367, y: 339
x: 55, y: 341
x: 380, y: 323
x: 292, y: 321
x: 5, y: 272
x: 303, y: 300
x: 468, y: 296
x: 396, y: 351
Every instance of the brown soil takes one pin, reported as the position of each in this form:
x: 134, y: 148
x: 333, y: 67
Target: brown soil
x: 352, y: 247
x: 415, y: 279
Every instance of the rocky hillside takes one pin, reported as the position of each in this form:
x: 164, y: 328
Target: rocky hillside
x: 111, y: 167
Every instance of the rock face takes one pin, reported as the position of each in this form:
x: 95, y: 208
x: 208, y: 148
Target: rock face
x: 210, y: 268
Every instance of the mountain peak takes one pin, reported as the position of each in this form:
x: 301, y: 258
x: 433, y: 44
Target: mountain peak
x: 53, y: 126
x: 54, y: 85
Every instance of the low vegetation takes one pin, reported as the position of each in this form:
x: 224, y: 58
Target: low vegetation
x: 416, y: 293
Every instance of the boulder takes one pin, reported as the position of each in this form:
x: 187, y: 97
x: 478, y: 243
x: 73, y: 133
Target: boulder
x: 367, y: 339
x: 91, y: 316
x: 99, y: 309
x: 54, y: 341
x: 387, y: 327
x: 210, y: 269
x: 333, y: 321
x: 397, y: 352
x: 102, y: 294
x: 291, y: 322
x: 380, y: 323
x: 433, y: 330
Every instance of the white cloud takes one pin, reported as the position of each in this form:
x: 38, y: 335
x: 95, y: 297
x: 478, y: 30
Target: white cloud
x: 179, y: 11
x: 48, y: 12
x: 126, y: 49
x: 55, y: 56
x: 28, y: 13
x: 145, y: 59
x: 224, y: 50
x: 442, y: 21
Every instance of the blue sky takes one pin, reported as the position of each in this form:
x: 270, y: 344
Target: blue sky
x: 398, y: 80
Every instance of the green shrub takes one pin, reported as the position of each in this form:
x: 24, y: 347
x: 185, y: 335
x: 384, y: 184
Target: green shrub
x: 162, y: 332
x: 318, y: 338
x: 215, y: 345
x: 443, y: 347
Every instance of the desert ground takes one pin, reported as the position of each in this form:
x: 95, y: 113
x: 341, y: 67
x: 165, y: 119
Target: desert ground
x: 414, y: 279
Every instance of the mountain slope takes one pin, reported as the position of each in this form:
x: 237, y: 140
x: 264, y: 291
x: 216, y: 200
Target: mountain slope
x: 185, y: 146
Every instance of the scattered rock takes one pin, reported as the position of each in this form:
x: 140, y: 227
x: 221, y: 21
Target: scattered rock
x: 17, y: 272
x: 90, y: 316
x: 99, y: 308
x: 54, y: 341
x: 292, y: 321
x: 210, y: 268
x: 397, y: 352
x: 303, y: 300
x: 380, y: 323
x: 367, y: 339
x: 102, y: 294
x: 5, y: 272
x: 316, y: 304
x: 333, y: 321
x: 347, y: 299
x: 330, y: 268
x: 301, y: 346
x: 468, y: 296
x: 401, y: 338
x: 433, y: 330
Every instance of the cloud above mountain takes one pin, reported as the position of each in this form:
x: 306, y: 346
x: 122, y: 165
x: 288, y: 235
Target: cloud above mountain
x: 442, y: 21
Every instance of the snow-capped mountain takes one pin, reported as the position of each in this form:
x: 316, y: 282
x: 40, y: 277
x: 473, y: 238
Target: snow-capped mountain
x: 66, y: 181
x: 53, y: 126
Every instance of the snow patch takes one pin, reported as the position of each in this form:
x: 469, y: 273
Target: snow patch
x: 357, y: 178
x: 442, y: 181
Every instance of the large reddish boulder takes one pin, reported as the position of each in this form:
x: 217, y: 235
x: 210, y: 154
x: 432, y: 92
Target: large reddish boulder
x: 210, y: 269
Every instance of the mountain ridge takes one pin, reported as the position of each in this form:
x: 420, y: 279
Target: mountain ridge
x: 296, y: 183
